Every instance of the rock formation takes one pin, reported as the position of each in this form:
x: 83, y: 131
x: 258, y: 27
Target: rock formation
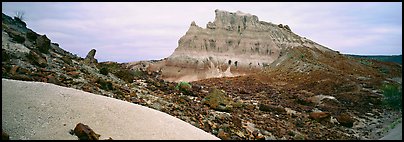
x: 90, y: 60
x: 233, y: 44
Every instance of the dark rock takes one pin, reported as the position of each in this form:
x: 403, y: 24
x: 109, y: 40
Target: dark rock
x: 19, y: 22
x: 67, y: 60
x: 37, y: 58
x: 304, y: 101
x: 53, y: 80
x: 43, y: 44
x: 272, y: 108
x: 31, y: 35
x: 4, y: 135
x: 18, y: 38
x: 287, y: 28
x: 90, y: 60
x: 319, y: 116
x: 223, y: 135
x: 237, y: 121
x: 345, y: 120
x: 74, y: 74
x: 14, y: 69
x: 83, y: 132
x: 22, y: 77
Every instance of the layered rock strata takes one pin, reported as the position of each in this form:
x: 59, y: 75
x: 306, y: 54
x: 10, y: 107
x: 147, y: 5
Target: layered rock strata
x: 233, y: 44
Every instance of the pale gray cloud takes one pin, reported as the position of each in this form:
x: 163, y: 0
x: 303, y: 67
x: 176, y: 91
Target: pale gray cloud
x: 126, y: 32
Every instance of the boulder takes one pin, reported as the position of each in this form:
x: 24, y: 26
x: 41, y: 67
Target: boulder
x: 31, y: 35
x: 90, y: 60
x: 37, y: 58
x: 287, y: 28
x: 4, y: 135
x: 320, y: 116
x: 14, y: 69
x: 84, y: 132
x: 345, y: 119
x: 43, y: 44
x: 272, y: 108
x: 218, y: 100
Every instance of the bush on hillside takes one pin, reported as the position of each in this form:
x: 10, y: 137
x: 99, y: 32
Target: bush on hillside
x: 392, y: 96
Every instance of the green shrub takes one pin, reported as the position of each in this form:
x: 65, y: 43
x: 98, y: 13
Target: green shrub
x: 184, y: 87
x: 104, y: 71
x: 18, y: 38
x: 392, y: 96
x: 105, y: 85
x: 32, y: 35
x: 125, y: 75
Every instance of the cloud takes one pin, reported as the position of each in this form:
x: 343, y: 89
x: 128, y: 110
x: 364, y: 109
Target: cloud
x: 127, y: 32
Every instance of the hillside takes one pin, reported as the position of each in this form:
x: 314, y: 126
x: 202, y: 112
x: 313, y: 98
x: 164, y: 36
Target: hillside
x: 383, y: 58
x: 303, y: 91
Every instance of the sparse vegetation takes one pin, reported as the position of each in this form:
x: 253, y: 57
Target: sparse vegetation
x: 118, y: 70
x: 106, y: 85
x: 392, y: 96
x: 19, y: 15
x: 184, y: 87
x: 32, y: 36
x: 366, y: 62
x: 17, y: 38
x: 104, y: 71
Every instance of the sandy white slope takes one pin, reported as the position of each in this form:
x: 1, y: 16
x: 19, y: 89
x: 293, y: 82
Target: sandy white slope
x: 37, y: 110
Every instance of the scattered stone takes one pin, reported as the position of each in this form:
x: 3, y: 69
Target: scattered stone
x: 319, y: 116
x: 223, y: 135
x: 14, y: 69
x: 37, y: 58
x: 74, y: 74
x: 218, y: 100
x: 272, y: 108
x: 345, y: 120
x: 84, y: 132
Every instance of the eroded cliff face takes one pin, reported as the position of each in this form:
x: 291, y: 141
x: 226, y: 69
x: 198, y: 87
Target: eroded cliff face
x: 233, y: 44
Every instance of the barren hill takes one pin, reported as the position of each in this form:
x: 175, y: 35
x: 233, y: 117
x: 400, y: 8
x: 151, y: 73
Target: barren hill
x: 234, y: 44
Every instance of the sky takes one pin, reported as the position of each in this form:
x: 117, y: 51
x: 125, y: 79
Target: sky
x: 134, y: 31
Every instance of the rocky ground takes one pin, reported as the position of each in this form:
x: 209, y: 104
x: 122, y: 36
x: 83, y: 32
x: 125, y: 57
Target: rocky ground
x: 305, y: 96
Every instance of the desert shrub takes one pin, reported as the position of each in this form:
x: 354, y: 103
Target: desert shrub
x: 32, y: 35
x: 184, y: 87
x: 104, y: 71
x: 138, y: 73
x: 18, y: 38
x: 125, y: 75
x: 218, y: 100
x: 384, y: 70
x: 366, y: 62
x: 4, y: 55
x: 392, y: 96
x: 105, y: 85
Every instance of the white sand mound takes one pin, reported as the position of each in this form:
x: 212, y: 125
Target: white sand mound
x: 36, y: 110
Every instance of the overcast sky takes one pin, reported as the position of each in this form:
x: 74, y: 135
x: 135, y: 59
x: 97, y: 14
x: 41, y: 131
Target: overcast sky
x: 125, y: 32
